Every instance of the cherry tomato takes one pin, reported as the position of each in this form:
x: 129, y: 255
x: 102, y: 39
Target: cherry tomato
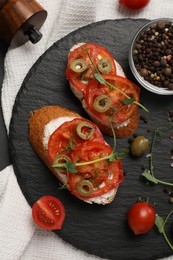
x: 65, y: 138
x: 109, y: 173
x: 134, y: 4
x: 141, y: 217
x: 118, y: 112
x: 87, y: 52
x: 48, y: 213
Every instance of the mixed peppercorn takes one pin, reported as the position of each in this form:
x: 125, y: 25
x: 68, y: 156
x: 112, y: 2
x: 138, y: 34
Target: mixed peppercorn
x: 153, y: 54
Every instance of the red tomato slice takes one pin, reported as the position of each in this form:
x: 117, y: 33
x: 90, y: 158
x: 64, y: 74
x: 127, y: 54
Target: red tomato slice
x: 96, y: 52
x: 48, y: 213
x: 65, y: 138
x: 118, y: 112
x: 111, y: 173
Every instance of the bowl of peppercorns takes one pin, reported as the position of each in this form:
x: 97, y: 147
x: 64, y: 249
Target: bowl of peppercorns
x: 151, y: 56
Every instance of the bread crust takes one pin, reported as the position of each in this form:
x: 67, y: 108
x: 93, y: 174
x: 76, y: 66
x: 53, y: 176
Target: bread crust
x: 123, y: 131
x: 37, y: 121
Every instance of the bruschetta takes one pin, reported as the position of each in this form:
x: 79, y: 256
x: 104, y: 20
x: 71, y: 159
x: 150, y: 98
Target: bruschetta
x: 80, y: 70
x: 100, y: 83
x: 75, y: 151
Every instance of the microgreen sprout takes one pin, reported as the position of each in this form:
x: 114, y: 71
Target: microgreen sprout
x: 160, y: 223
x: 71, y: 166
x: 149, y: 174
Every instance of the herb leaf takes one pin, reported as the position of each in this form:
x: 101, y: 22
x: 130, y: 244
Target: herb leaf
x: 127, y: 101
x: 122, y: 154
x: 99, y: 78
x: 149, y: 177
x: 71, y: 167
x: 113, y: 157
x: 159, y: 222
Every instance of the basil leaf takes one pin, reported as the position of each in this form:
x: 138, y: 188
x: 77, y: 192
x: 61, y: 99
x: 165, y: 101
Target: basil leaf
x: 99, y: 78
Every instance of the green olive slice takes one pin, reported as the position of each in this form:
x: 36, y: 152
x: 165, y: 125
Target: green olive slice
x: 84, y: 188
x: 102, y: 103
x: 78, y: 65
x: 85, y: 130
x: 104, y: 65
x: 61, y: 158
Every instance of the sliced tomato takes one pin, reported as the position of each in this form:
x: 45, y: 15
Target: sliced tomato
x: 48, y: 213
x: 103, y: 175
x: 118, y: 111
x: 87, y: 52
x: 65, y: 138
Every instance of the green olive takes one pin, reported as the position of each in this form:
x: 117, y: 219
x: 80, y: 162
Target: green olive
x: 85, y: 130
x: 104, y: 65
x: 61, y: 158
x: 139, y: 146
x: 102, y: 103
x: 85, y: 188
x: 78, y: 65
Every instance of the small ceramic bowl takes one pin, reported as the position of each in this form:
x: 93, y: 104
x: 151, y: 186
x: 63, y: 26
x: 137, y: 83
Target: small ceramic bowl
x: 151, y: 56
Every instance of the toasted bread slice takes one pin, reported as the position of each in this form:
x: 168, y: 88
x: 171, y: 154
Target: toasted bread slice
x: 122, y: 130
x: 38, y: 121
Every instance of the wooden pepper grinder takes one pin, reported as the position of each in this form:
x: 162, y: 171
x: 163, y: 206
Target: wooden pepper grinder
x: 20, y: 21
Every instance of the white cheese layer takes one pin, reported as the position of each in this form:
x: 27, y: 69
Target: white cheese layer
x: 103, y: 199
x: 52, y: 126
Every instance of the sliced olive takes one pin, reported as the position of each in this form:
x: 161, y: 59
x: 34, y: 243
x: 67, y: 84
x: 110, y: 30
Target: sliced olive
x: 139, y: 146
x: 61, y: 158
x: 84, y: 188
x: 78, y: 65
x: 102, y: 103
x: 85, y: 130
x: 104, y: 65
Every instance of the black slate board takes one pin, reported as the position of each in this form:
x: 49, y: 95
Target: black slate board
x: 99, y: 230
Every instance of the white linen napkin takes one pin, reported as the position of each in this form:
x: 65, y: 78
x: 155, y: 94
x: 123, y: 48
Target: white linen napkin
x: 19, y: 237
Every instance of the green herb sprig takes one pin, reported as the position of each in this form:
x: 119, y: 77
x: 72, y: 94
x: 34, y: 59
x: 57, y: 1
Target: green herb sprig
x: 129, y: 100
x: 160, y: 223
x: 101, y: 80
x: 149, y: 174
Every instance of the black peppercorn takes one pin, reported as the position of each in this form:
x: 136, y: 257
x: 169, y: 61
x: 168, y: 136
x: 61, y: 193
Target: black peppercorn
x: 153, y: 54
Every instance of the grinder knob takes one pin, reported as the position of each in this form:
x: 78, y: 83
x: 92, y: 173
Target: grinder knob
x: 34, y: 35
